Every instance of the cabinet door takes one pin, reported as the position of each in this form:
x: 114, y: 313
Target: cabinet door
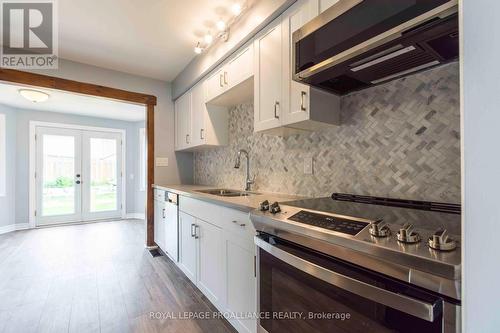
x: 199, y: 112
x: 214, y: 85
x: 298, y: 94
x: 188, y: 246
x: 183, y: 107
x: 240, y: 281
x: 240, y: 68
x: 268, y: 78
x: 210, y: 263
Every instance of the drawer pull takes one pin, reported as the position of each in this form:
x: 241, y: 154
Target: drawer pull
x: 240, y: 224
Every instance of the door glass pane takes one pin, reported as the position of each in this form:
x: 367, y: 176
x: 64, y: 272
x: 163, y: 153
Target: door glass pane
x: 103, y: 175
x: 58, y: 186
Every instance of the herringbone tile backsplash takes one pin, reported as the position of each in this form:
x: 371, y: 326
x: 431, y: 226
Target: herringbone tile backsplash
x: 401, y: 139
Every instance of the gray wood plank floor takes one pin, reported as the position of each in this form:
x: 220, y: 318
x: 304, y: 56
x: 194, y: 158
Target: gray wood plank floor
x: 94, y: 278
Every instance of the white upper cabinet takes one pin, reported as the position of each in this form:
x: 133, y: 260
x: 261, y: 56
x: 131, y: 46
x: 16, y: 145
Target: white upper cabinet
x: 183, y: 115
x: 268, y: 99
x: 281, y: 105
x: 199, y: 125
x: 232, y: 83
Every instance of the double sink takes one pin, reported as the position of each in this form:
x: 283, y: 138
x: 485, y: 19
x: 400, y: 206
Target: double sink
x: 227, y: 193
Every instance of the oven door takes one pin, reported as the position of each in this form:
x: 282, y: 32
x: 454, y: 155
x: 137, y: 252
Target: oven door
x: 301, y: 290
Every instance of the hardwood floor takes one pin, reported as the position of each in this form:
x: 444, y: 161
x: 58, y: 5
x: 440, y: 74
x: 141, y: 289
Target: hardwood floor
x: 94, y: 278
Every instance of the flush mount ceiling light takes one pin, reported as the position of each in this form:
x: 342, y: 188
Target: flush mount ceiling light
x: 222, y: 25
x: 34, y: 96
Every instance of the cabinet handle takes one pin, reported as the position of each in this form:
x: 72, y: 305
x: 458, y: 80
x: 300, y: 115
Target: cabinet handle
x: 225, y: 78
x: 276, y: 104
x: 193, y: 230
x: 220, y: 81
x: 303, y: 94
x: 201, y: 134
x: 187, y: 138
x: 196, y: 233
x: 163, y: 213
x: 240, y: 224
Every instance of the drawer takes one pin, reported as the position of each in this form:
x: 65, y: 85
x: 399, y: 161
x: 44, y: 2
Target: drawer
x: 238, y: 223
x: 201, y: 209
x: 159, y: 194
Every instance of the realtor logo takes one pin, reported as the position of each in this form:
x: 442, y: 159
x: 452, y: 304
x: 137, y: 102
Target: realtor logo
x: 29, y: 34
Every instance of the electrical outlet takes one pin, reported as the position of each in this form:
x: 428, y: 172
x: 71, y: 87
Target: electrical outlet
x: 162, y: 161
x: 308, y: 165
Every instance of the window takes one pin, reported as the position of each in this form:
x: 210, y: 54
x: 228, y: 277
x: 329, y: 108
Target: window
x: 3, y: 156
x: 142, y: 159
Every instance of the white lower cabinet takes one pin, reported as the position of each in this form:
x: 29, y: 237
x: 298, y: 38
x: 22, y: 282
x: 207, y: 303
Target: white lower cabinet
x: 217, y: 254
x: 240, y: 281
x: 210, y: 263
x: 188, y: 246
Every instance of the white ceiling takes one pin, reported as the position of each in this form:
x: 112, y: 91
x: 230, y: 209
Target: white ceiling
x: 152, y: 38
x: 64, y: 102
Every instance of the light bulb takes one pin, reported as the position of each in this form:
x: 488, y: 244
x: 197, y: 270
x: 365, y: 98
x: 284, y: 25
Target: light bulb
x: 221, y: 25
x: 198, y: 49
x: 208, y: 39
x: 236, y: 9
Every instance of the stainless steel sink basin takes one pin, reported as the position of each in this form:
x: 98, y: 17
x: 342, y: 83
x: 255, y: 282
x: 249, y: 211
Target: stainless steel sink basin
x: 227, y: 193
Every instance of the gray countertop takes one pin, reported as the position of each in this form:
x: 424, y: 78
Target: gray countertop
x: 244, y: 204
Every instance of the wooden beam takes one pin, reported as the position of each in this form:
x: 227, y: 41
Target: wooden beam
x: 45, y: 81
x: 150, y: 134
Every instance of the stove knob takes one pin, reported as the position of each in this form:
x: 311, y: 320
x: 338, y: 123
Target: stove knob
x: 407, y: 234
x: 440, y: 241
x: 275, y: 208
x: 264, y: 205
x: 379, y: 229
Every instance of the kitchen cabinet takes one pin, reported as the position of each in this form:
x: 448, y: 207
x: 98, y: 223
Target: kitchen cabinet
x: 210, y: 272
x: 183, y: 117
x: 223, y: 266
x: 268, y: 81
x: 201, y: 256
x: 159, y: 215
x: 232, y: 84
x: 281, y: 105
x: 199, y: 125
x: 188, y: 246
x: 241, y: 280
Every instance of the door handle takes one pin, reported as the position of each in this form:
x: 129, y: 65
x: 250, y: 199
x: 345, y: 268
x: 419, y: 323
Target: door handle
x: 196, y: 233
x: 163, y: 213
x: 78, y: 182
x: 77, y: 176
x: 187, y: 138
x: 201, y: 134
x: 192, y: 230
x: 303, y: 94
x: 276, y: 104
x: 225, y: 78
x: 412, y: 306
x: 220, y: 80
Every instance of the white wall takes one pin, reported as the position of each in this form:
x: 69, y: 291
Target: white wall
x: 7, y: 202
x: 481, y: 165
x: 180, y: 169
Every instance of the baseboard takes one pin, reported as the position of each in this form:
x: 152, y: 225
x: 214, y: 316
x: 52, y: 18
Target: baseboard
x: 14, y: 227
x: 136, y: 216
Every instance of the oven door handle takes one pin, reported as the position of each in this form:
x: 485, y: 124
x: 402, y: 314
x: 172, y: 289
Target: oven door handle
x: 417, y: 308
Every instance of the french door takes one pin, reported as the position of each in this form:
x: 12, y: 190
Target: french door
x: 78, y: 175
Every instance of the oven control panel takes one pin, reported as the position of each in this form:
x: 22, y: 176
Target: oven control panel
x: 350, y: 227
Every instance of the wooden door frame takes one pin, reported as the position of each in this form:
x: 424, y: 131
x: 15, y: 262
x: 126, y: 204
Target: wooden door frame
x: 51, y: 82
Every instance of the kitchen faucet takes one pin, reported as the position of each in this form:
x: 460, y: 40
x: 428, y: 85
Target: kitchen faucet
x: 249, y: 181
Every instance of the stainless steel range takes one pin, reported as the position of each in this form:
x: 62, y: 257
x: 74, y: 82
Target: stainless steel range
x: 350, y: 263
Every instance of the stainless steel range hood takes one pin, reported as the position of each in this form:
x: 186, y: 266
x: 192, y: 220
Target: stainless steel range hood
x: 356, y: 44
